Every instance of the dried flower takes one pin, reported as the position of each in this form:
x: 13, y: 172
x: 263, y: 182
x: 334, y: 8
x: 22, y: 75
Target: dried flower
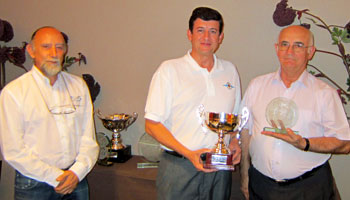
x: 1, y: 28
x: 283, y: 15
x: 7, y: 34
x: 347, y: 26
x: 18, y: 55
x: 305, y: 25
x: 93, y: 86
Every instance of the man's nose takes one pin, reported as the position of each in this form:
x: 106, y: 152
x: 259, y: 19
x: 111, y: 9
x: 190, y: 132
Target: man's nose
x: 206, y: 34
x: 290, y: 49
x: 53, y: 52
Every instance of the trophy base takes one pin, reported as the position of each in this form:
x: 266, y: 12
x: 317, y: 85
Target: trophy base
x: 219, y: 162
x: 277, y: 130
x: 120, y: 155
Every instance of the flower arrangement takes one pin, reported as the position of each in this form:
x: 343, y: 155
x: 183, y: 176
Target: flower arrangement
x: 284, y: 16
x: 14, y: 55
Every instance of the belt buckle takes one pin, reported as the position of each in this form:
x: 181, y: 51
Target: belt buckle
x: 281, y: 181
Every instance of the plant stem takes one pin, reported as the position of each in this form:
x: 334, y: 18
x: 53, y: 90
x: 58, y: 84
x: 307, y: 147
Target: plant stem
x: 326, y: 77
x: 329, y: 52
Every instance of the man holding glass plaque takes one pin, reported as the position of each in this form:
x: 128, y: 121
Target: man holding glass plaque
x: 178, y: 90
x: 296, y: 122
x: 46, y: 125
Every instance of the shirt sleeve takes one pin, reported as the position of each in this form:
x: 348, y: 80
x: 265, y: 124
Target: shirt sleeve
x: 13, y: 148
x: 88, y: 149
x: 334, y: 119
x: 159, y: 96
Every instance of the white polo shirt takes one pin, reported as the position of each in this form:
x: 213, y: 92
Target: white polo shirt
x: 180, y: 86
x: 321, y: 114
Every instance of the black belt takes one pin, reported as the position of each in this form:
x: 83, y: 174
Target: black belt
x: 304, y: 176
x: 174, y: 153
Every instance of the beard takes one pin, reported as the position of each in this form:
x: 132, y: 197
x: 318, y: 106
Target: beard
x: 50, y: 68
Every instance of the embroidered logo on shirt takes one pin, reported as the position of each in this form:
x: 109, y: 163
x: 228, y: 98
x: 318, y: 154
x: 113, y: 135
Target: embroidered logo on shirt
x: 229, y: 85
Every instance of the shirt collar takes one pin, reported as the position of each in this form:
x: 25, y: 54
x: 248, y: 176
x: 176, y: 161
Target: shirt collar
x: 302, y: 80
x: 196, y: 66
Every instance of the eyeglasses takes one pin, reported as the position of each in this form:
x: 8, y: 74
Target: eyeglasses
x: 296, y: 47
x: 67, y: 107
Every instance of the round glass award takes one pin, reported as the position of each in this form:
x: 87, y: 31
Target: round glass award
x: 281, y: 110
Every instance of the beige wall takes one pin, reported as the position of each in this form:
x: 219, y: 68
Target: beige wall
x: 125, y: 41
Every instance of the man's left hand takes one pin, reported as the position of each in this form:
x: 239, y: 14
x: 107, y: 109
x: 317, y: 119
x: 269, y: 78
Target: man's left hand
x: 68, y: 181
x: 289, y: 137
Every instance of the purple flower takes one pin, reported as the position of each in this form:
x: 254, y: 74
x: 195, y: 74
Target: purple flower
x: 283, y: 15
x: 7, y: 34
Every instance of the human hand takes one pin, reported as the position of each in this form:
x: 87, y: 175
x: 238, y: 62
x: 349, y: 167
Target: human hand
x: 195, y: 158
x: 236, y: 150
x: 289, y: 137
x: 245, y: 192
x: 68, y: 181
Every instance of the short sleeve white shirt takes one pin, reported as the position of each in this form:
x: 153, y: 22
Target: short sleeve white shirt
x: 180, y: 86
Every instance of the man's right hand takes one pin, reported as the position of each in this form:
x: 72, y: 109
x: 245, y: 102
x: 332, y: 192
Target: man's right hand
x: 244, y: 187
x: 195, y: 158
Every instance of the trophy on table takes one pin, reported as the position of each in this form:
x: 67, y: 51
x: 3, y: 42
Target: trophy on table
x: 222, y: 123
x: 281, y: 113
x: 118, y: 152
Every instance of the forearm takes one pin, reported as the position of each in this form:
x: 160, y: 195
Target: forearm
x: 158, y: 131
x: 325, y: 145
x: 88, y: 148
x: 245, y: 162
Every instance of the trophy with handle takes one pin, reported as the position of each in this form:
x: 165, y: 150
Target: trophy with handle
x: 118, y: 152
x: 222, y: 123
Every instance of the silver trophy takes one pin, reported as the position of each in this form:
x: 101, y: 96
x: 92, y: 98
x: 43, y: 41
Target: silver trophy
x: 281, y: 113
x: 222, y: 123
x: 118, y: 152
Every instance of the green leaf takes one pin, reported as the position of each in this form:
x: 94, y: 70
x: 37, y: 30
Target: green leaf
x: 335, y: 38
x: 345, y: 36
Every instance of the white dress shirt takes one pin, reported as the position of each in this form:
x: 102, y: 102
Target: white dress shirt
x: 40, y: 144
x: 321, y: 114
x: 180, y: 86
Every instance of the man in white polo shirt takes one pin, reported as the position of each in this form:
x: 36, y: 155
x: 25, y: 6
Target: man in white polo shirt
x: 178, y: 88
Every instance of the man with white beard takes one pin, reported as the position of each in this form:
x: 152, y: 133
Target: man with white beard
x: 46, y: 125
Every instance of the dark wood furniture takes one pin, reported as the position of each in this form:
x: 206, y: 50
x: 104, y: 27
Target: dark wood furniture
x: 125, y: 181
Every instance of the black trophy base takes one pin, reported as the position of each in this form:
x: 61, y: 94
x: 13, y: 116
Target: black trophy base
x: 218, y: 161
x: 120, y: 155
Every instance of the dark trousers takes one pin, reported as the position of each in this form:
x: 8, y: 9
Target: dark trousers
x: 30, y: 189
x: 318, y: 186
x: 178, y: 179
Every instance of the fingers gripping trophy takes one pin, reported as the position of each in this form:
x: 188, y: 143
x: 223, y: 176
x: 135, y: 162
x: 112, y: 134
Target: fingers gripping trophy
x: 118, y: 152
x: 222, y: 123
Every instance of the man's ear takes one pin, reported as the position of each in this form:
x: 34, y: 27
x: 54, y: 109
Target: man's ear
x: 221, y: 37
x: 189, y: 35
x: 30, y: 50
x: 311, y: 51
